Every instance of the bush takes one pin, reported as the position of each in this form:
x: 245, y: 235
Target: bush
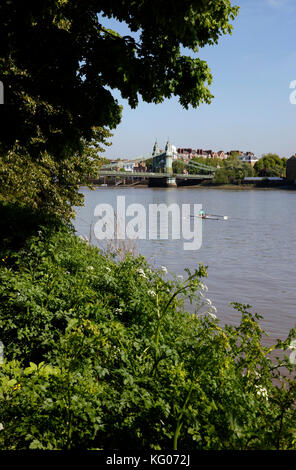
x: 221, y: 177
x: 101, y: 353
x: 271, y: 165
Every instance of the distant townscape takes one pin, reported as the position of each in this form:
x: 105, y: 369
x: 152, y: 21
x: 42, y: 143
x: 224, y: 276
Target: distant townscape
x: 183, y: 154
x: 187, y: 154
x: 209, y: 166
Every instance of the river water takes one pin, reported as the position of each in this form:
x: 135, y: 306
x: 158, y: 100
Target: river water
x: 251, y: 257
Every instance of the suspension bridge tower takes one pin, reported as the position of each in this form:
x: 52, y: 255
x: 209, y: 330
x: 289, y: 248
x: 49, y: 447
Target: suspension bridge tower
x: 163, y: 163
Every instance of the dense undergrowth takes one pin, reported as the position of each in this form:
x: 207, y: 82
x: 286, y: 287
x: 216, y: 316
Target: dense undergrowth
x: 100, y: 353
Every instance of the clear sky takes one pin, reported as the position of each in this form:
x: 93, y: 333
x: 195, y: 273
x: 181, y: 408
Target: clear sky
x: 251, y: 110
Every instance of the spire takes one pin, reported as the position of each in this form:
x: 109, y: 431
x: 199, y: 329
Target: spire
x: 156, y: 150
x: 168, y: 148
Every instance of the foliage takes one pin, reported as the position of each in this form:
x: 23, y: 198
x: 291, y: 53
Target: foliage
x: 208, y: 161
x: 149, y: 163
x: 229, y: 170
x: 237, y: 170
x: 101, y: 353
x: 221, y: 176
x: 59, y: 63
x: 271, y: 165
x: 178, y: 167
x: 47, y: 184
x: 57, y: 59
x: 233, y: 171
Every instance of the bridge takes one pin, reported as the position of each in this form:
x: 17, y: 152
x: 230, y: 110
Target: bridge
x: 162, y: 166
x: 148, y: 174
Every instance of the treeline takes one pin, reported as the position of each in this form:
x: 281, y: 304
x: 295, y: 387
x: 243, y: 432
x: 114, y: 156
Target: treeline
x: 232, y: 170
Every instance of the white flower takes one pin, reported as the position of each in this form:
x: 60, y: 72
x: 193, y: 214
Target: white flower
x: 82, y: 237
x: 261, y: 391
x: 180, y: 277
x: 213, y: 308
x: 292, y: 344
x: 1, y: 427
x: 214, y: 317
x: 90, y: 268
x: 118, y: 310
x: 204, y: 287
x: 208, y: 301
x: 151, y: 292
x: 164, y: 269
x: 292, y: 357
x: 141, y: 272
x: 108, y: 269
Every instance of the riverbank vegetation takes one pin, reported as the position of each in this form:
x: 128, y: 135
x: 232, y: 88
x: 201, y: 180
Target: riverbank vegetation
x: 232, y: 170
x: 101, y: 352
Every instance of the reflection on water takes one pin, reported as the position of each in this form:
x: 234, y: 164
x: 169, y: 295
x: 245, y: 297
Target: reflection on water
x: 250, y: 257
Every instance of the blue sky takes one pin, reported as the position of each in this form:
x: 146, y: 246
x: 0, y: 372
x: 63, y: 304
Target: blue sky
x: 251, y: 110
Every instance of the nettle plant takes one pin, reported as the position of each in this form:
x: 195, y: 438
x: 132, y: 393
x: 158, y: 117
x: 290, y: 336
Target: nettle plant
x: 103, y: 353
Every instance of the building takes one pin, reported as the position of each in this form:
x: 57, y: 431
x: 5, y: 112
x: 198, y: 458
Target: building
x: 175, y: 152
x: 117, y: 165
x: 261, y: 179
x: 221, y: 154
x: 208, y: 153
x: 140, y: 167
x: 127, y: 165
x: 291, y: 169
x: 113, y: 165
x: 248, y: 157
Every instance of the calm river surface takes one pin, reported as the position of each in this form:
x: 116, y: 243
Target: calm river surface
x: 251, y: 257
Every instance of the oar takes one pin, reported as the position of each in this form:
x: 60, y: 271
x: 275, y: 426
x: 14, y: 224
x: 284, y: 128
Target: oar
x: 210, y: 217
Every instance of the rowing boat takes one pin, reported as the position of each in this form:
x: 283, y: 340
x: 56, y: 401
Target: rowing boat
x: 211, y: 217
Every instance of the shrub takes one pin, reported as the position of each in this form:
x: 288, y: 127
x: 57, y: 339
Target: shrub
x: 101, y: 353
x: 221, y: 176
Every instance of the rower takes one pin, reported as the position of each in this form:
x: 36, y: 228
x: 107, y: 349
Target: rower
x: 202, y: 214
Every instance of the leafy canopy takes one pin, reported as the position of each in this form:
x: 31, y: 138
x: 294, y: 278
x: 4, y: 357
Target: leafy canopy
x: 58, y: 63
x: 271, y: 165
x: 46, y: 184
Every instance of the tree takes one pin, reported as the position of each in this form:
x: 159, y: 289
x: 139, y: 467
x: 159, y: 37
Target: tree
x: 270, y: 165
x: 209, y: 162
x: 221, y: 176
x: 178, y: 167
x: 233, y: 170
x: 57, y: 59
x: 149, y: 163
x: 48, y: 184
x: 233, y: 155
x: 59, y: 65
